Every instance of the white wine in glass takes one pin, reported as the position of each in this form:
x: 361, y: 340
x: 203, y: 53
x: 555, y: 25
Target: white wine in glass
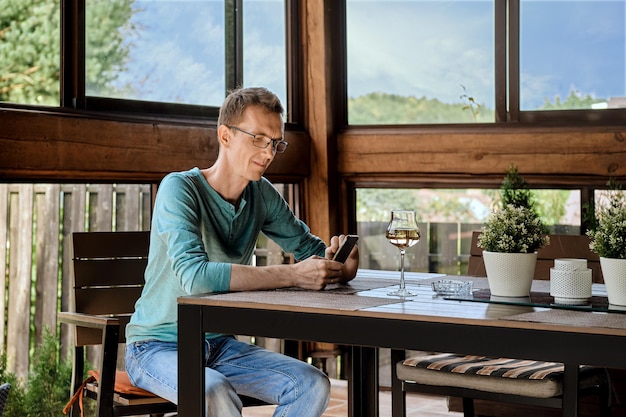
x: 403, y: 233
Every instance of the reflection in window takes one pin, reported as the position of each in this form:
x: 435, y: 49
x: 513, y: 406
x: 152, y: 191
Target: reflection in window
x: 30, y: 52
x: 415, y: 61
x: 447, y: 218
x: 572, y: 54
x: 175, y: 51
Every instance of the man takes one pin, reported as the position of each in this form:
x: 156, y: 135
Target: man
x: 204, y: 229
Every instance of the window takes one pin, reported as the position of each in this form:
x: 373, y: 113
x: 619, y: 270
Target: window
x: 175, y: 57
x: 447, y: 218
x: 416, y: 62
x: 572, y: 55
x: 485, y: 61
x: 184, y: 52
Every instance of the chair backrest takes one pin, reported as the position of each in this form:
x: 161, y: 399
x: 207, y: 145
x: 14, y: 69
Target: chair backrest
x: 108, y: 277
x: 561, y: 246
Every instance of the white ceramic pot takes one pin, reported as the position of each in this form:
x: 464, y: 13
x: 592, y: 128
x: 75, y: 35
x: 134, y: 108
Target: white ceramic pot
x: 510, y: 274
x: 614, y: 273
x: 570, y: 281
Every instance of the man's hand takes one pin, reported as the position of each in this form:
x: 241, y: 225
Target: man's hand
x: 351, y: 265
x: 315, y: 273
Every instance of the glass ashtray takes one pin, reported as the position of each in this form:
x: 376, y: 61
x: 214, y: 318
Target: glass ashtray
x: 452, y: 287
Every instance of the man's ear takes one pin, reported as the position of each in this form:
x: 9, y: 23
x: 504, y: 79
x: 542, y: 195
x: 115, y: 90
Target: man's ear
x: 223, y: 135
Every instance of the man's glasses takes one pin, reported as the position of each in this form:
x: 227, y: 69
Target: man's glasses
x: 260, y: 141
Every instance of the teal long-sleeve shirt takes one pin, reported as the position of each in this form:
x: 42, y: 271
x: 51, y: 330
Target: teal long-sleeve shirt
x: 195, y: 237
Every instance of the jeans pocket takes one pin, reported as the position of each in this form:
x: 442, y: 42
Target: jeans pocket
x: 140, y: 351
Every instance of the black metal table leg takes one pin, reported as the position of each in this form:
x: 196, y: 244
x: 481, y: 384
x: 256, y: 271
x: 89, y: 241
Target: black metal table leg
x: 570, y: 390
x: 190, y: 361
x: 363, y: 382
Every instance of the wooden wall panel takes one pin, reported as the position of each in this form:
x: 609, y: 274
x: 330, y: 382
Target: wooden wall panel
x: 56, y: 147
x: 557, y: 152
x: 318, y: 120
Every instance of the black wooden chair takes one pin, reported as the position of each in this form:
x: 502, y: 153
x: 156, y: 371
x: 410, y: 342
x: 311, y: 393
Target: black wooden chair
x: 413, y: 375
x: 108, y: 279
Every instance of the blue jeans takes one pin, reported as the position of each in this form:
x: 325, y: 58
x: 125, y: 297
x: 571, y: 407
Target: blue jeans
x: 233, y: 367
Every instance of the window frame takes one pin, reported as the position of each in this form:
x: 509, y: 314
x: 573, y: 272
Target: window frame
x: 73, y: 56
x: 507, y: 81
x: 507, y: 67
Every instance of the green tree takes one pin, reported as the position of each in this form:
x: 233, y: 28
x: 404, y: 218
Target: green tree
x: 575, y: 100
x: 108, y: 48
x: 30, y: 51
x: 375, y: 205
x: 384, y: 108
x: 515, y: 190
x: 551, y: 205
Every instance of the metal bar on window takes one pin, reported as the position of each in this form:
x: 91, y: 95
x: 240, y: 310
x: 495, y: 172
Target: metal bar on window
x: 233, y: 26
x: 293, y: 30
x: 514, y: 60
x: 500, y: 61
x: 73, y: 53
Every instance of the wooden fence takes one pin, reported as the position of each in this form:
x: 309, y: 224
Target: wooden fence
x: 35, y: 253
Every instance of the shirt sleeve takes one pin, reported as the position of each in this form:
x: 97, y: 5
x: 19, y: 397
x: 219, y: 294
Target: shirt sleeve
x: 283, y: 227
x: 177, y: 217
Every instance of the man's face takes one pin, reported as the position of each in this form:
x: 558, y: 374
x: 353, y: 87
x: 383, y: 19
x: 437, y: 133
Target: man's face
x: 246, y: 159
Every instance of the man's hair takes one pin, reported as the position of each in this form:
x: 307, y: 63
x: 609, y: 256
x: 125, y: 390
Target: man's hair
x: 240, y: 99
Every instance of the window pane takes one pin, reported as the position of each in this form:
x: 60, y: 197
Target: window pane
x: 417, y: 61
x: 30, y: 52
x: 572, y: 54
x: 446, y: 218
x: 173, y: 51
x: 264, y: 52
x: 165, y: 51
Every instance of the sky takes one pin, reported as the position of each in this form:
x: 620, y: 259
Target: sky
x: 407, y: 47
x: 177, y: 52
x: 430, y: 48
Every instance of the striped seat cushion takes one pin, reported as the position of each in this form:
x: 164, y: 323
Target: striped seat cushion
x: 510, y: 376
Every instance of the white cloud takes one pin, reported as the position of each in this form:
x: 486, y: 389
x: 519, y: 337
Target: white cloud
x: 427, y: 49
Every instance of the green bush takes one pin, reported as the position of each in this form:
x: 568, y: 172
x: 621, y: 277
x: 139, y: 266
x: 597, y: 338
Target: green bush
x: 47, y: 390
x: 16, y: 403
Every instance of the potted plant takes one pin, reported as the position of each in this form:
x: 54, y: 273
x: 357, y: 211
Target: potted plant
x: 607, y: 233
x: 511, y: 237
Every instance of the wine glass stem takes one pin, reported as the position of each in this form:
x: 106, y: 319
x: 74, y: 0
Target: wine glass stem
x: 402, y: 269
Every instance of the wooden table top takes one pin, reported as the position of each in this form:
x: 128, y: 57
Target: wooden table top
x: 367, y: 296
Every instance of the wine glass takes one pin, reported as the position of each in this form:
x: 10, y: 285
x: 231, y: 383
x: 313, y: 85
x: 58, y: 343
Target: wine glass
x: 402, y: 232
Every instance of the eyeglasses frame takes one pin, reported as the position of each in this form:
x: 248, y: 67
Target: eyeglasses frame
x: 255, y: 142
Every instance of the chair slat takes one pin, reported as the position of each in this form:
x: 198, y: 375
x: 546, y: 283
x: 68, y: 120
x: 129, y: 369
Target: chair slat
x: 115, y: 300
x: 110, y: 244
x: 109, y: 272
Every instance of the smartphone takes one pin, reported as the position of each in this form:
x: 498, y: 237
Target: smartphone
x: 346, y: 247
